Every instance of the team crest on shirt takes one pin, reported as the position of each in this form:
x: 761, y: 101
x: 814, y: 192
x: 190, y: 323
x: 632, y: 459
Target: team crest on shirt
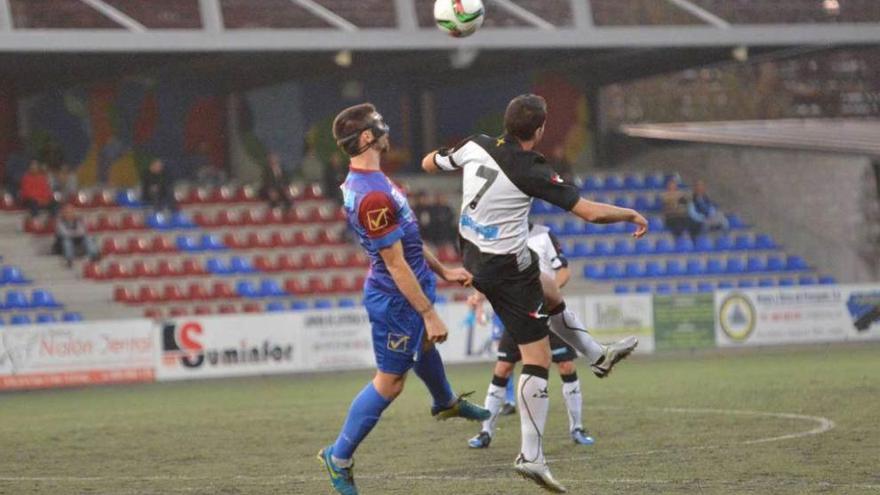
x: 556, y: 179
x: 397, y: 342
x: 377, y: 219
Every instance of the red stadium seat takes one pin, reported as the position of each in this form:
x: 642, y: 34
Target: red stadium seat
x: 121, y: 294
x: 316, y: 285
x: 273, y: 216
x: 202, y: 219
x: 177, y: 311
x: 263, y: 264
x: 313, y: 215
x: 232, y: 241
x: 359, y: 281
x: 327, y: 214
x: 116, y: 271
x: 222, y: 290
x: 103, y: 223
x: 140, y: 269
x: 137, y: 245
x: 110, y: 246
x: 131, y: 221
x: 245, y: 193
x: 310, y: 261
x: 276, y: 239
x: 202, y: 310
x: 92, y: 271
x: 286, y: 263
x: 252, y: 307
x: 80, y: 200
x: 334, y: 260
x: 164, y: 268
x: 226, y: 308
x: 147, y: 294
x: 225, y: 218
x: 171, y: 292
x: 340, y: 215
x: 299, y: 239
x: 295, y: 287
x: 196, y: 195
x: 313, y: 191
x: 192, y: 267
x: 251, y: 217
x: 223, y: 194
x: 341, y: 284
x: 161, y: 244
x: 153, y: 313
x: 103, y: 199
x: 7, y: 201
x: 256, y: 241
x: 197, y: 292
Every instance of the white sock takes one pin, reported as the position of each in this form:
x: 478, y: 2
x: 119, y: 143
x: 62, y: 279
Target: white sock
x: 494, y: 402
x: 571, y: 392
x: 533, y: 405
x: 570, y: 329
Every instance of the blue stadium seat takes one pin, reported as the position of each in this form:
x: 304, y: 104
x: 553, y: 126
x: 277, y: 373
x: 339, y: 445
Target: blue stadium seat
x: 271, y: 288
x: 623, y: 202
x: 246, y: 288
x: 642, y: 203
x: 617, y: 228
x: 734, y: 266
x: 725, y: 285
x: 674, y: 268
x: 643, y: 289
x: 826, y: 280
x: 601, y: 248
x: 323, y: 304
x: 612, y: 183
x: 180, y: 220
x: 786, y: 282
x: 41, y: 298
x: 592, y: 272
x: 633, y: 181
x: 775, y: 264
x: 663, y: 288
x: 714, y: 266
x: 795, y: 263
x: 20, y: 320
x: 237, y: 264
x: 703, y: 244
x: 745, y: 283
x: 212, y: 242
x: 299, y: 305
x: 654, y: 181
x: 623, y: 247
x: 755, y: 264
x: 633, y: 269
x: 572, y: 227
x: 723, y: 243
x: 540, y: 207
x: 16, y: 300
x: 215, y: 266
x: 684, y: 245
x: 71, y: 317
x: 621, y: 289
x: 275, y: 307
x: 579, y: 249
x: 46, y: 318
x: 612, y: 271
x: 705, y: 287
x: 684, y: 288
x: 736, y: 222
x: 653, y: 269
x: 766, y: 282
x: 656, y: 204
x: 807, y: 280
x: 655, y: 224
x: 158, y: 220
x: 187, y: 244
x: 346, y: 303
x: 743, y: 242
x: 663, y: 246
x: 591, y: 183
x: 764, y: 241
x: 593, y: 228
x: 643, y: 246
x: 694, y: 266
x: 12, y: 275
x: 127, y: 198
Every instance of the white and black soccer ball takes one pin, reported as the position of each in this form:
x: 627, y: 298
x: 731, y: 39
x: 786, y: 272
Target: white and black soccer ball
x: 459, y: 18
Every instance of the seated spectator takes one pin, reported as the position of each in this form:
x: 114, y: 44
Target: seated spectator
x: 71, y: 236
x: 35, y: 191
x: 157, y: 189
x: 675, y: 211
x: 275, y: 184
x: 703, y: 211
x: 64, y: 183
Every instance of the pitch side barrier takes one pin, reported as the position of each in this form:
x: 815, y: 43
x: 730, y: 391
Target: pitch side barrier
x: 130, y: 351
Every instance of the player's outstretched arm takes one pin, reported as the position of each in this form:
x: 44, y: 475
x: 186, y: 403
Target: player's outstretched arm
x: 457, y: 275
x: 409, y: 286
x: 428, y: 163
x: 594, y: 212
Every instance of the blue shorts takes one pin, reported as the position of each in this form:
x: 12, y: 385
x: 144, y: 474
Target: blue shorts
x: 398, y: 329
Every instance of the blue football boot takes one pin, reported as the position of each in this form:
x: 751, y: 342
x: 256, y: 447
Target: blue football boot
x: 461, y: 409
x: 480, y: 441
x: 342, y: 479
x: 582, y: 437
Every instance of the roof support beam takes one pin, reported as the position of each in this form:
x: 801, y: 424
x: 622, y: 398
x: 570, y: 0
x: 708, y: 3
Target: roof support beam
x: 700, y: 12
x: 326, y: 14
x: 5, y: 16
x: 212, y: 16
x: 406, y: 15
x: 116, y: 15
x: 525, y: 15
x: 582, y: 12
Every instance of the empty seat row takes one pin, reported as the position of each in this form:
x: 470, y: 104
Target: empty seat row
x: 40, y: 298
x: 655, y: 181
x: 577, y: 227
x: 694, y: 267
x: 12, y: 275
x: 265, y: 288
x: 708, y: 287
x: 641, y: 202
x: 26, y: 319
x: 224, y: 218
x: 664, y: 245
x: 219, y: 194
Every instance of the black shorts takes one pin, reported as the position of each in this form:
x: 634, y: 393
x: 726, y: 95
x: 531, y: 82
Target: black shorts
x: 518, y: 300
x: 561, y: 352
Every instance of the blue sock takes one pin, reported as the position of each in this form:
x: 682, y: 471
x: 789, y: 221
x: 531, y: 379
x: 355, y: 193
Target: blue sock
x: 511, y: 390
x: 430, y: 369
x: 362, y: 417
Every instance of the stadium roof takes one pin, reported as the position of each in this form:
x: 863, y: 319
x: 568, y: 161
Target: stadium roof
x: 854, y: 136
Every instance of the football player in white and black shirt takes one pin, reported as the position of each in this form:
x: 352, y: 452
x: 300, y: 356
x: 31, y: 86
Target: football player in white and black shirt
x: 500, y: 178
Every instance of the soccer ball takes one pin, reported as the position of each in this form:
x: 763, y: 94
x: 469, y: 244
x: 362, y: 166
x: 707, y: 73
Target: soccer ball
x: 459, y: 18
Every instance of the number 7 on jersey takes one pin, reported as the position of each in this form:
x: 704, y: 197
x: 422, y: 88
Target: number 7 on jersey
x: 490, y: 175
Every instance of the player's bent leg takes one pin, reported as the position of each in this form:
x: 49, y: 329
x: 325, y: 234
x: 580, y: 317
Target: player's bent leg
x: 571, y: 394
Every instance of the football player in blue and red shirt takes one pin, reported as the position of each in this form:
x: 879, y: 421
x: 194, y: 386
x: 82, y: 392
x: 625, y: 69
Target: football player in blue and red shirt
x: 399, y: 293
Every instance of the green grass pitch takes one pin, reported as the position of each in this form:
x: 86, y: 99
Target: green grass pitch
x: 686, y: 424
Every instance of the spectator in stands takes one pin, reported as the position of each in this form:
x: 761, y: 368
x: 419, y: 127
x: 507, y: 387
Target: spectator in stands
x: 443, y: 220
x: 703, y: 211
x: 275, y: 184
x: 71, y: 236
x: 311, y: 169
x: 675, y: 211
x: 157, y: 189
x: 334, y: 176
x: 64, y: 183
x: 35, y: 191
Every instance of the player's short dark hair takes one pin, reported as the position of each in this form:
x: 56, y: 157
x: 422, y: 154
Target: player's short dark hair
x: 351, y: 120
x: 525, y: 114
